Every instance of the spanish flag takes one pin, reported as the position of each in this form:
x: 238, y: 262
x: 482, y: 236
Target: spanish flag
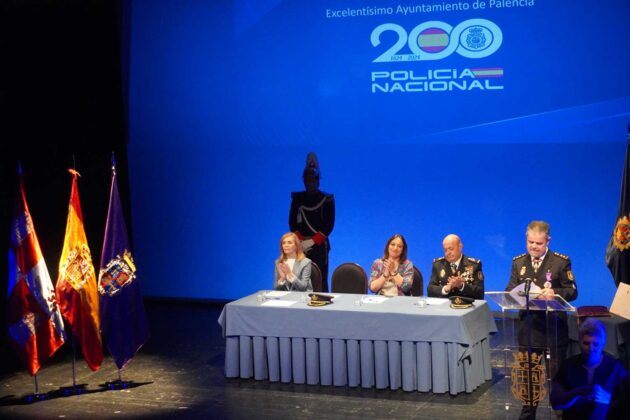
x: 76, y: 285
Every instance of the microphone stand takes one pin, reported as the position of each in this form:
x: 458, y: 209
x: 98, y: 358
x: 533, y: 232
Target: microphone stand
x: 530, y: 388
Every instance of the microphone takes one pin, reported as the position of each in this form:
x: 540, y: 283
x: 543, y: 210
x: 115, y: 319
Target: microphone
x: 528, y: 285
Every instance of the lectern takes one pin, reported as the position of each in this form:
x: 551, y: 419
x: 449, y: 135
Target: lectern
x: 534, y: 336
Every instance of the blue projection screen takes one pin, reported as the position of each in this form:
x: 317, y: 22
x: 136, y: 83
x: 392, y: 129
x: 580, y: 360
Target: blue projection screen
x: 428, y: 118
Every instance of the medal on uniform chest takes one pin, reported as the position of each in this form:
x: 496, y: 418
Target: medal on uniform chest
x: 548, y: 282
x: 467, y: 274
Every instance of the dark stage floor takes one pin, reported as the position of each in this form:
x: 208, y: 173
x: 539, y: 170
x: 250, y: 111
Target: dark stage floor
x: 179, y: 373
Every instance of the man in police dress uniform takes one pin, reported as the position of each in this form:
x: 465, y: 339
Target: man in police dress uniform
x: 455, y: 274
x: 551, y: 272
x: 312, y: 218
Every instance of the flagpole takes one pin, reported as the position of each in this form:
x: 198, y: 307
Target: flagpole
x: 74, y: 363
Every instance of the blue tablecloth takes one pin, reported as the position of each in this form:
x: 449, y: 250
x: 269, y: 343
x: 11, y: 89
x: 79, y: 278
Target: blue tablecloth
x: 389, y: 344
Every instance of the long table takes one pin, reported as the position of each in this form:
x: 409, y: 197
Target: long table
x: 354, y: 343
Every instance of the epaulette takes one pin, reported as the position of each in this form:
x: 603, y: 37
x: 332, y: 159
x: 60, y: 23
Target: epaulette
x: 519, y: 256
x: 475, y: 260
x: 438, y: 259
x: 557, y: 254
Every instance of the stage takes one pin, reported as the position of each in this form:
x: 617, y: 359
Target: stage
x: 179, y: 373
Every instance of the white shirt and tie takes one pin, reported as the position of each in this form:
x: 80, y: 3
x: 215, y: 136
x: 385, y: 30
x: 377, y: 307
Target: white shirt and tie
x: 454, y: 269
x: 536, y: 262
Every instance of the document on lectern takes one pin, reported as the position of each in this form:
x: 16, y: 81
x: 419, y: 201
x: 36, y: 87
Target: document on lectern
x: 518, y: 293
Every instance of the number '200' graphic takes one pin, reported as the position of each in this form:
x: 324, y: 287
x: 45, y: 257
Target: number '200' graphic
x: 435, y: 40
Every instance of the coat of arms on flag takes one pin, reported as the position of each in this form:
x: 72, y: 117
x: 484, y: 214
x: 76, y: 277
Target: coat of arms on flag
x: 118, y: 273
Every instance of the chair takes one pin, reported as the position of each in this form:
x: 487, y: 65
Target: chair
x: 349, y: 278
x: 316, y: 278
x: 417, y: 288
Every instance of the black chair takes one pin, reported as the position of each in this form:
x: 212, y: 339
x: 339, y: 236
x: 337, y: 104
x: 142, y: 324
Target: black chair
x: 349, y: 278
x: 417, y: 288
x: 316, y: 278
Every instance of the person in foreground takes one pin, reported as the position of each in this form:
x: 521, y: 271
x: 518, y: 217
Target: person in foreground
x: 292, y: 268
x: 455, y: 274
x: 584, y: 384
x: 620, y: 401
x: 392, y: 275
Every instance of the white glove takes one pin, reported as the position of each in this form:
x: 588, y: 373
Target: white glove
x: 307, y: 244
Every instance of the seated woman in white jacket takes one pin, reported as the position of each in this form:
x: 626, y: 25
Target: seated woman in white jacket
x: 292, y: 268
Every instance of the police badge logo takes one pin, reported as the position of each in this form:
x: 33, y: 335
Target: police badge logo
x: 528, y: 394
x: 118, y: 273
x: 522, y: 270
x: 442, y: 273
x: 621, y: 234
x: 476, y: 39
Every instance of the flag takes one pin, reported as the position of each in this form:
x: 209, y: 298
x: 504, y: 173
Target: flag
x: 618, y: 250
x: 123, y: 320
x: 76, y: 285
x: 36, y: 328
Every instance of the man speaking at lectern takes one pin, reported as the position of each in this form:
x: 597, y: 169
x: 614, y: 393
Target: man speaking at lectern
x: 550, y: 272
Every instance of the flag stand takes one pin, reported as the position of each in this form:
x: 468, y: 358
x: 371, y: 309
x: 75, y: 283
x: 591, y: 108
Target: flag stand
x: 119, y: 384
x: 74, y: 389
x: 74, y: 364
x: 36, y: 396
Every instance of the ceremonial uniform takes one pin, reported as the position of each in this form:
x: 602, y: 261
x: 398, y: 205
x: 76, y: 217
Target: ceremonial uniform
x: 470, y: 270
x: 554, y: 266
x: 312, y: 216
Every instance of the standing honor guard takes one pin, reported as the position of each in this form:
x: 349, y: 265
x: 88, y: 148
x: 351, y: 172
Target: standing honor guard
x: 312, y: 217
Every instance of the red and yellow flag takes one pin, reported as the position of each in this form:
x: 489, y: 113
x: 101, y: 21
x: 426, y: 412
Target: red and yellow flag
x: 36, y: 329
x: 76, y: 289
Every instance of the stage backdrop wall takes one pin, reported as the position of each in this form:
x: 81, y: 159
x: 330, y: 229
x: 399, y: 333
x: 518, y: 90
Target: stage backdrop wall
x: 471, y: 117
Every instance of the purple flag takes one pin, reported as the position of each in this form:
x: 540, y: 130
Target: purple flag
x: 123, y: 320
